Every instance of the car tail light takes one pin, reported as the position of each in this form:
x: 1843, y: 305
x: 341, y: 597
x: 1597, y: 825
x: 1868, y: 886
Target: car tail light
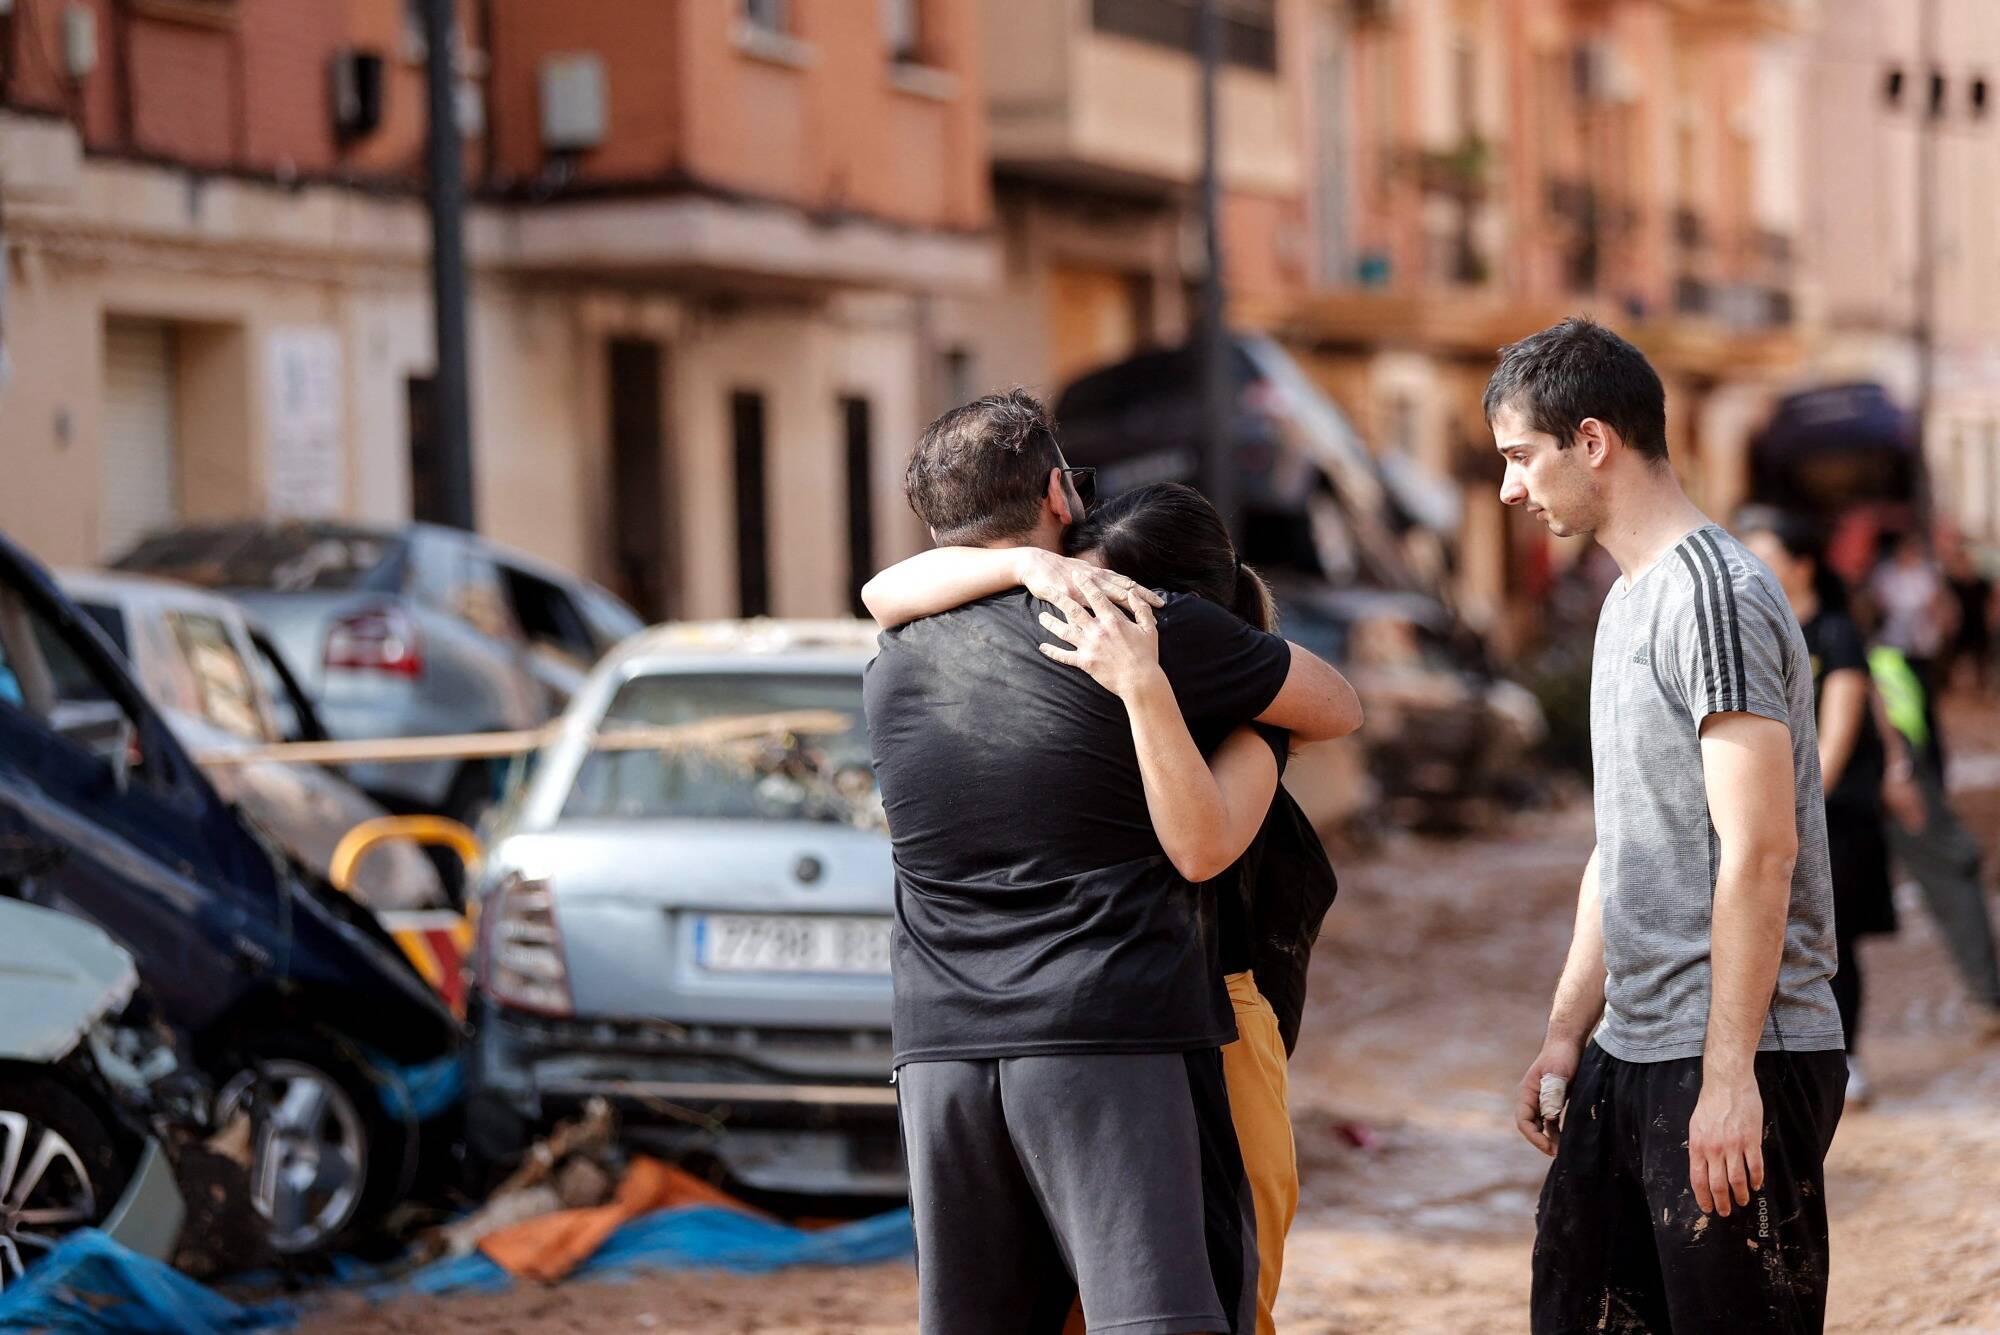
x: 521, y: 964
x: 382, y: 639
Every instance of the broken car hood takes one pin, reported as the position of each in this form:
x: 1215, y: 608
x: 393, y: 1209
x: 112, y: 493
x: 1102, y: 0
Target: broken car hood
x: 58, y: 976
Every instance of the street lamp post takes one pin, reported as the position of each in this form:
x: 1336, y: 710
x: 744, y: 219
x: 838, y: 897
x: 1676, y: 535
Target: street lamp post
x: 453, y: 413
x: 1218, y: 470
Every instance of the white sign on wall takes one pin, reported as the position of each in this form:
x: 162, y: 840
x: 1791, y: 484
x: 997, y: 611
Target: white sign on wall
x: 304, y: 473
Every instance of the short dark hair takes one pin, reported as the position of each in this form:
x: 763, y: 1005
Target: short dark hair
x: 979, y: 472
x: 1580, y: 369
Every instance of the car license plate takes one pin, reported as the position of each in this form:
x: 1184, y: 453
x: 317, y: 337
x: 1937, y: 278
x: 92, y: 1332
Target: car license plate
x: 774, y: 943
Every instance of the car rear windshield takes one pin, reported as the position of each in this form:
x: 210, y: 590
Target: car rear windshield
x: 285, y: 560
x: 822, y: 776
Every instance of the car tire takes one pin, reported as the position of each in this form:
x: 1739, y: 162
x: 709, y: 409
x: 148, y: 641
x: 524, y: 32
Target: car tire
x: 62, y: 1160
x: 338, y: 1155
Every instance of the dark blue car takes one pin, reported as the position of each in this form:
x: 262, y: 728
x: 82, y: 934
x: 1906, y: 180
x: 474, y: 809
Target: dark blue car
x: 289, y: 994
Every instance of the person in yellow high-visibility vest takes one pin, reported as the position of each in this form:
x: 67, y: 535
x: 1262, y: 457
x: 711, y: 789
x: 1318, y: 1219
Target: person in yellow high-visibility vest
x: 1933, y: 847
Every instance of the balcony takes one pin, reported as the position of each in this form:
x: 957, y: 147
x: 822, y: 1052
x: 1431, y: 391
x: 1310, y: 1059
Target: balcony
x: 1748, y: 17
x: 1106, y: 93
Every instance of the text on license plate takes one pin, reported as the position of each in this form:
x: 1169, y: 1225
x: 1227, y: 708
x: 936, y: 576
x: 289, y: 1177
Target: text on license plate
x: 796, y: 943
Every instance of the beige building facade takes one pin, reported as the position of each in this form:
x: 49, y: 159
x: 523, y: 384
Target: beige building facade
x: 704, y: 243
x: 1094, y: 129
x: 1482, y: 168
x: 1864, y: 119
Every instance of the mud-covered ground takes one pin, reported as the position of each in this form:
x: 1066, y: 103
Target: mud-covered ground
x: 1430, y: 991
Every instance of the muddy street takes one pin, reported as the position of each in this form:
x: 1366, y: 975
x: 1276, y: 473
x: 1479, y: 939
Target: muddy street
x: 1429, y: 995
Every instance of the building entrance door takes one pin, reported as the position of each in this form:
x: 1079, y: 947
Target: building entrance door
x: 642, y: 528
x: 141, y: 480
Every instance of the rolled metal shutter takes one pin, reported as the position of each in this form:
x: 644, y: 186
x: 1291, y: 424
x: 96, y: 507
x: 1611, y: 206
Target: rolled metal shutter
x: 141, y: 490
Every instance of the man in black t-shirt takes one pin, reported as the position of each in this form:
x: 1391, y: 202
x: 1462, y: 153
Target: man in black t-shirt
x: 1058, y: 1012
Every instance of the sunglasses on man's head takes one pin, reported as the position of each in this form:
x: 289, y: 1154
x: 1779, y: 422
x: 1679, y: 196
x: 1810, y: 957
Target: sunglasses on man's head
x: 1085, y: 482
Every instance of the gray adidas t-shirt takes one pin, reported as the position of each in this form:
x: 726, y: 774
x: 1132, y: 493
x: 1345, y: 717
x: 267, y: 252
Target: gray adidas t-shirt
x: 1704, y: 630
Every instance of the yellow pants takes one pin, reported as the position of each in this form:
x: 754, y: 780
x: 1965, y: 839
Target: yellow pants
x: 1259, y: 1081
x: 1259, y: 1084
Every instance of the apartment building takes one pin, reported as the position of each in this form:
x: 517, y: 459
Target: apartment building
x: 1869, y: 106
x: 705, y: 240
x: 1481, y: 168
x: 1094, y: 129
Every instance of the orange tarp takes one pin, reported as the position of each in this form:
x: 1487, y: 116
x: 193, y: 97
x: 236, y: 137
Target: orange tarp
x: 547, y: 1248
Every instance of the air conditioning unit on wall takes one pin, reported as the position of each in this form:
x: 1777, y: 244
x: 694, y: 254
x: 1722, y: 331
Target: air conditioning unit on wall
x: 573, y: 102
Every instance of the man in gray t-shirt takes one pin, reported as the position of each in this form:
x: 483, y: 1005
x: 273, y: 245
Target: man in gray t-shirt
x: 1693, y: 1074
x: 1703, y: 630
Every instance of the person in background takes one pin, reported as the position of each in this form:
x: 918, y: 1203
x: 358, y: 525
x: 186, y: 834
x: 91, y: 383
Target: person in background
x: 1855, y: 766
x: 1972, y: 637
x: 1931, y: 845
x: 1914, y: 604
x: 1222, y: 818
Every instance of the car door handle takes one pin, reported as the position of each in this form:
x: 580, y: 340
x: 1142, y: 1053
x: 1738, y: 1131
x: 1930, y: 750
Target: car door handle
x: 22, y: 858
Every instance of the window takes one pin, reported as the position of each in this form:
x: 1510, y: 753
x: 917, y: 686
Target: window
x: 1249, y: 27
x: 427, y: 487
x: 768, y: 15
x: 753, y: 577
x: 903, y: 30
x: 111, y: 621
x: 610, y: 621
x: 823, y: 777
x: 292, y: 713
x: 45, y: 673
x: 957, y: 377
x: 288, y: 558
x: 549, y: 617
x: 225, y: 692
x: 856, y: 419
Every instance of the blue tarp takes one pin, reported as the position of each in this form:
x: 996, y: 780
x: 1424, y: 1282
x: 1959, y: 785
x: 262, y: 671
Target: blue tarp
x: 90, y: 1283
x: 419, y: 1093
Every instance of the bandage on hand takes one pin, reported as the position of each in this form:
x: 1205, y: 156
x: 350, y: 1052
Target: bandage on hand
x: 1555, y: 1091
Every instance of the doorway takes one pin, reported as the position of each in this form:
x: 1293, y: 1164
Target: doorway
x: 642, y: 545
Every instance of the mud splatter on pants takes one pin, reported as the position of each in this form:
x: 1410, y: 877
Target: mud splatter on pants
x: 1621, y: 1246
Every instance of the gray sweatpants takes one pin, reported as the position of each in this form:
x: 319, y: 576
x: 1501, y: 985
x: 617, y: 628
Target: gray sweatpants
x: 1116, y: 1176
x: 1943, y: 858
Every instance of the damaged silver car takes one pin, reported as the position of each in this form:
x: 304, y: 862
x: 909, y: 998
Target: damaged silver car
x: 78, y: 1077
x: 700, y: 934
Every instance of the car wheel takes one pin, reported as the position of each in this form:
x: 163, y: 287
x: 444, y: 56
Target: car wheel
x: 320, y: 1148
x: 61, y: 1167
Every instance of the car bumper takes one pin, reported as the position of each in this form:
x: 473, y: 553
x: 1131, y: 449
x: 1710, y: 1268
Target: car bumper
x: 147, y: 1218
x: 778, y: 1118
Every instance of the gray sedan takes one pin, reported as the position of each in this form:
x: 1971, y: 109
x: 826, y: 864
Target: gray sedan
x: 405, y: 632
x: 222, y: 688
x: 700, y: 935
